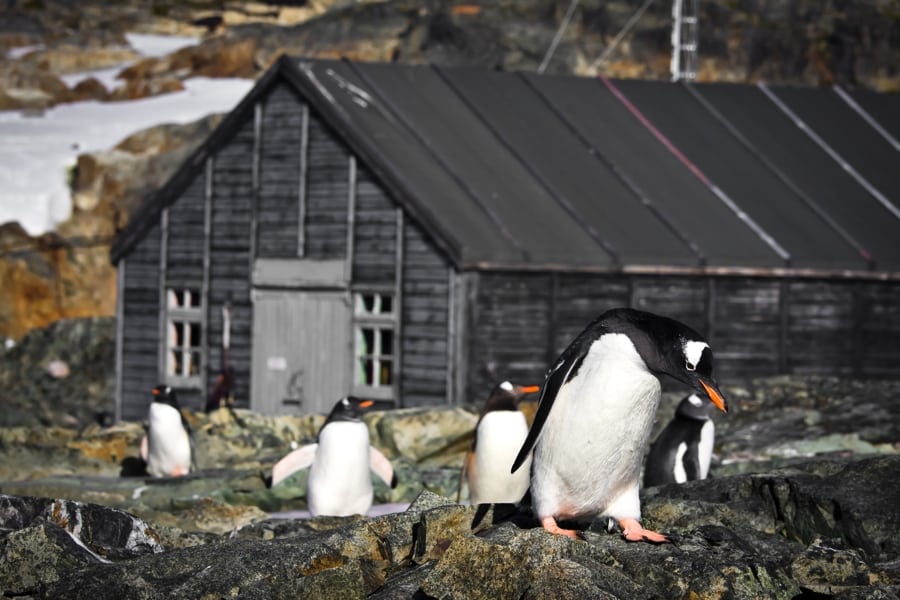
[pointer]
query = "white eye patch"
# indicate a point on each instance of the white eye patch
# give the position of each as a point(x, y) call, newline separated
point(693, 351)
point(506, 386)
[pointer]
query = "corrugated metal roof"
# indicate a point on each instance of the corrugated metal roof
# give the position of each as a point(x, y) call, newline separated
point(524, 171)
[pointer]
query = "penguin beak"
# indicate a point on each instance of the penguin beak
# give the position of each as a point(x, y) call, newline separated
point(715, 396)
point(529, 389)
point(366, 404)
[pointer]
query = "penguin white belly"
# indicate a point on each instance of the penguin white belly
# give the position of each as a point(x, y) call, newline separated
point(168, 442)
point(705, 447)
point(339, 481)
point(588, 458)
point(499, 437)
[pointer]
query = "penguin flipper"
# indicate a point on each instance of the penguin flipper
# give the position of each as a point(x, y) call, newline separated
point(555, 380)
point(145, 448)
point(464, 472)
point(382, 467)
point(294, 461)
point(691, 461)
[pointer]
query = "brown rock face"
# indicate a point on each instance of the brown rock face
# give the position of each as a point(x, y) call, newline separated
point(67, 274)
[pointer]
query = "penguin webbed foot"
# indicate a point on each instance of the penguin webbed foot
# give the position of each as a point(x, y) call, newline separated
point(632, 531)
point(551, 526)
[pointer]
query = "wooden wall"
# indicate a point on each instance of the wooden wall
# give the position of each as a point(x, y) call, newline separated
point(425, 328)
point(232, 199)
point(140, 327)
point(757, 326)
point(280, 188)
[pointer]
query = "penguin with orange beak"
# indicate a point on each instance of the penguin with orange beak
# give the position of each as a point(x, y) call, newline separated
point(595, 414)
point(499, 434)
point(339, 483)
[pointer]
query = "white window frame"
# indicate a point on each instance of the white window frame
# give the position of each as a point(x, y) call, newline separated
point(372, 384)
point(184, 310)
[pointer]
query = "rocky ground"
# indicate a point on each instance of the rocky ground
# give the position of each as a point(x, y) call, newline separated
point(803, 502)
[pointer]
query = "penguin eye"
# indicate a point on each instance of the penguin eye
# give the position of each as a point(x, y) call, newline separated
point(690, 366)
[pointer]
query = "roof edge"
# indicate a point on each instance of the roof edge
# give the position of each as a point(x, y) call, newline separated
point(699, 270)
point(153, 202)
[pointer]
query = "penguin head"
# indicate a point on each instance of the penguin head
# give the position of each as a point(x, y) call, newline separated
point(694, 407)
point(670, 347)
point(506, 396)
point(349, 408)
point(165, 395)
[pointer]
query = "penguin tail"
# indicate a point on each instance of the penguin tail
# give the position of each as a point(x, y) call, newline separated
point(480, 512)
point(501, 512)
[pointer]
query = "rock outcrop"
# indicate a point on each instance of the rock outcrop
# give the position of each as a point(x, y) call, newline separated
point(825, 530)
point(803, 502)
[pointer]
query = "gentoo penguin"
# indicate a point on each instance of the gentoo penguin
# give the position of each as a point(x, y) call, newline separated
point(683, 450)
point(339, 483)
point(595, 412)
point(499, 434)
point(166, 447)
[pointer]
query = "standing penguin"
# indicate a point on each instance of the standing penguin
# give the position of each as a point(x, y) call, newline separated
point(166, 447)
point(339, 483)
point(683, 450)
point(499, 434)
point(595, 413)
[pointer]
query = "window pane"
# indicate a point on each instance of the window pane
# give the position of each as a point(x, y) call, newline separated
point(365, 375)
point(387, 305)
point(385, 376)
point(368, 301)
point(194, 339)
point(195, 363)
point(175, 362)
point(368, 336)
point(387, 342)
point(195, 298)
point(178, 329)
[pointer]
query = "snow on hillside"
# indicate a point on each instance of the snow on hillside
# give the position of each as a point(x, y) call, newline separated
point(36, 152)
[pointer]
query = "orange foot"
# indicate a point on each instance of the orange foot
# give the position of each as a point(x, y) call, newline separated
point(178, 472)
point(633, 532)
point(549, 523)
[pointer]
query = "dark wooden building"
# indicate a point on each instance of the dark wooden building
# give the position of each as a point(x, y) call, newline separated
point(414, 233)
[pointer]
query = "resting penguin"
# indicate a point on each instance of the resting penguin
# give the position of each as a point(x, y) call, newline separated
point(166, 447)
point(595, 412)
point(499, 434)
point(339, 483)
point(683, 450)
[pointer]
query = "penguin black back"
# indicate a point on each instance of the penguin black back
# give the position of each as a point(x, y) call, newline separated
point(683, 450)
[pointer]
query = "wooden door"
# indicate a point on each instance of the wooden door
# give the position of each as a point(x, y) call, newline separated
point(302, 348)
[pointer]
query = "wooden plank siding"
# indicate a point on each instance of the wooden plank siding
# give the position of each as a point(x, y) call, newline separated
point(746, 324)
point(229, 276)
point(425, 310)
point(374, 234)
point(140, 327)
point(508, 337)
point(281, 149)
point(820, 331)
point(327, 193)
point(879, 305)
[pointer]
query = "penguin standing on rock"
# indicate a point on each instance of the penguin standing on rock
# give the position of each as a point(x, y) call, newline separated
point(683, 450)
point(339, 483)
point(166, 447)
point(499, 434)
point(595, 413)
